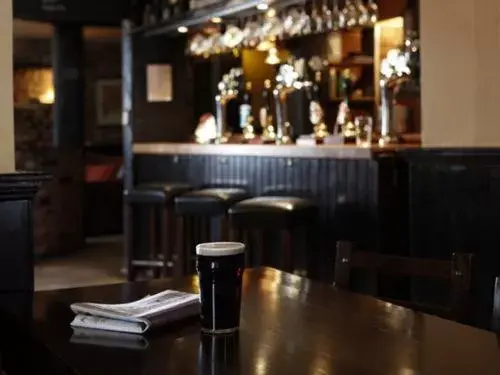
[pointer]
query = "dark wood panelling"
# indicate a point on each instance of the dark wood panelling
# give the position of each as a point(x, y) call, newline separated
point(346, 190)
point(455, 207)
point(163, 121)
point(17, 191)
point(91, 12)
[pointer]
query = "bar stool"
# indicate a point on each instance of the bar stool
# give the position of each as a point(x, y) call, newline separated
point(157, 198)
point(288, 215)
point(198, 208)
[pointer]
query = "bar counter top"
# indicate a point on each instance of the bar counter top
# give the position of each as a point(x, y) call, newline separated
point(320, 151)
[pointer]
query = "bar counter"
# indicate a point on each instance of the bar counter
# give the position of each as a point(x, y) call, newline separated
point(361, 192)
point(320, 151)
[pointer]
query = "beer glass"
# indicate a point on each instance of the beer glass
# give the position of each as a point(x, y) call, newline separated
point(364, 130)
point(220, 268)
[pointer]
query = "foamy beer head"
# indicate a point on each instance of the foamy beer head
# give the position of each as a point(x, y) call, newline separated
point(220, 249)
point(220, 268)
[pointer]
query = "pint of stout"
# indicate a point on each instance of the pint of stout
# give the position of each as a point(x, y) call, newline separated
point(220, 268)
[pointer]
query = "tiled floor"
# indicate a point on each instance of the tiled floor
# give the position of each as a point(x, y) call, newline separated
point(99, 263)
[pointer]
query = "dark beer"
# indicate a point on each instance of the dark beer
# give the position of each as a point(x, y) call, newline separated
point(220, 268)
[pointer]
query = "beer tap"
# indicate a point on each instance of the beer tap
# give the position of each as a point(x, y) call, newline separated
point(228, 90)
point(316, 112)
point(287, 82)
point(398, 77)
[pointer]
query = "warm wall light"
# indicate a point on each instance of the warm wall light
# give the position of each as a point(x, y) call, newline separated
point(263, 6)
point(47, 97)
point(182, 29)
point(272, 57)
point(271, 13)
point(216, 20)
point(33, 85)
point(265, 45)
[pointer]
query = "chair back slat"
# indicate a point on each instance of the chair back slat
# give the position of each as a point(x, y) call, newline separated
point(461, 271)
point(457, 271)
point(496, 307)
point(396, 265)
point(343, 264)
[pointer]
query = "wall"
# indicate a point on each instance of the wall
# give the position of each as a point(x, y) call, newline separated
point(6, 97)
point(58, 215)
point(460, 76)
point(166, 121)
point(102, 61)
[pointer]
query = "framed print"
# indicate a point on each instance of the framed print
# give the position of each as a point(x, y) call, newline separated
point(109, 102)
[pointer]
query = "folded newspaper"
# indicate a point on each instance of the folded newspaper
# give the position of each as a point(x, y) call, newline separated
point(139, 316)
point(110, 339)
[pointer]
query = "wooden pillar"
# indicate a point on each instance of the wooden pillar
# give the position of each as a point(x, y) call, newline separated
point(128, 140)
point(460, 78)
point(7, 160)
point(69, 111)
point(69, 86)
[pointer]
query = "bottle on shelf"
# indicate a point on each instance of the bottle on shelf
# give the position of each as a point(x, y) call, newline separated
point(316, 91)
point(174, 9)
point(166, 10)
point(149, 17)
point(316, 112)
point(265, 114)
point(246, 105)
point(155, 12)
point(332, 84)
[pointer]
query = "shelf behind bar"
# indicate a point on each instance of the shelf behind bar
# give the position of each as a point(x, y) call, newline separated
point(201, 16)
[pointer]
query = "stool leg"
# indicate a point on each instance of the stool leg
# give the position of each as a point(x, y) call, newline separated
point(153, 233)
point(288, 250)
point(166, 241)
point(224, 228)
point(248, 248)
point(234, 235)
point(258, 249)
point(190, 235)
point(207, 229)
point(178, 257)
point(129, 241)
point(310, 252)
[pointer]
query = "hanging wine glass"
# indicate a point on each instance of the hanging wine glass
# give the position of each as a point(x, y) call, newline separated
point(272, 27)
point(316, 19)
point(305, 23)
point(291, 23)
point(214, 44)
point(338, 17)
point(363, 17)
point(196, 45)
point(351, 14)
point(327, 15)
point(372, 9)
point(251, 33)
point(233, 37)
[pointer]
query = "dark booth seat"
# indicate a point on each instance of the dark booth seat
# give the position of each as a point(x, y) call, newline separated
point(208, 202)
point(272, 211)
point(155, 193)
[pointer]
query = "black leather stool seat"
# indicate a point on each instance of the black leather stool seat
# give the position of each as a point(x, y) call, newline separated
point(208, 202)
point(276, 212)
point(155, 193)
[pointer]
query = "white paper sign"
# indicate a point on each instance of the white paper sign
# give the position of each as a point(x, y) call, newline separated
point(159, 81)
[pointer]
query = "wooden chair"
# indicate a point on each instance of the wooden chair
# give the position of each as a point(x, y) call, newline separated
point(496, 310)
point(457, 271)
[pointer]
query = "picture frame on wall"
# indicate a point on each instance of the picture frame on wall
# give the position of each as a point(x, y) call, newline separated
point(109, 102)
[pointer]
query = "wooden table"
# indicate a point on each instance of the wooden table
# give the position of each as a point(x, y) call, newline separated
point(290, 325)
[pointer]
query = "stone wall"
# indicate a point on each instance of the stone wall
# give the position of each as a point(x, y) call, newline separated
point(58, 208)
point(33, 135)
point(102, 61)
